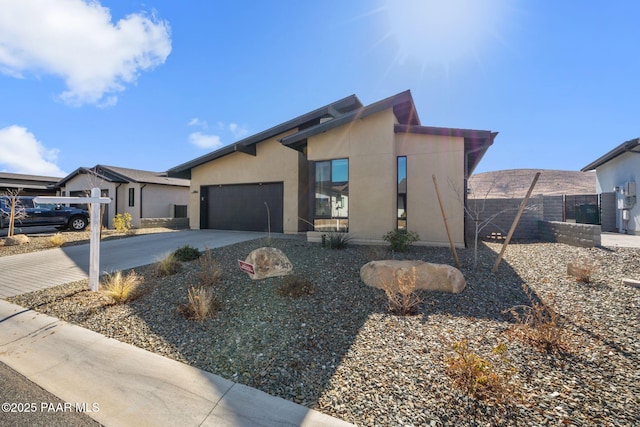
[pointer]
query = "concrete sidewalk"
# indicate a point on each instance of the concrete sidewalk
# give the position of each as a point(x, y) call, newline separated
point(118, 384)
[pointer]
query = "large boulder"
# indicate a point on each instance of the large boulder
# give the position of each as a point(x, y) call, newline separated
point(269, 262)
point(432, 277)
point(16, 240)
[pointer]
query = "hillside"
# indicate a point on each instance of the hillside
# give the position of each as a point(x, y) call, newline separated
point(516, 182)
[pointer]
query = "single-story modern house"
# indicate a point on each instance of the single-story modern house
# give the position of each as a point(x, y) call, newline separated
point(365, 170)
point(142, 194)
point(618, 171)
point(29, 185)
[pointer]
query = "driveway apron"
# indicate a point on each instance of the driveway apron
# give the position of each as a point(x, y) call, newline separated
point(39, 270)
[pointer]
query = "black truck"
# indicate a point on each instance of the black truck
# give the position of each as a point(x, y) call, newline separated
point(32, 214)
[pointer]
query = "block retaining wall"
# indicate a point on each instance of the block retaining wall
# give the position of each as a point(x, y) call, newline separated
point(585, 235)
point(175, 223)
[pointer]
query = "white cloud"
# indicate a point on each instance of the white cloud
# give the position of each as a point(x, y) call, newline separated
point(202, 140)
point(21, 152)
point(197, 122)
point(76, 41)
point(238, 131)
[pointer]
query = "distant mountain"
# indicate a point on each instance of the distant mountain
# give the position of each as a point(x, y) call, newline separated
point(515, 183)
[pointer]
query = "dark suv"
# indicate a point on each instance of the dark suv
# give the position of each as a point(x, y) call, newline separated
point(32, 214)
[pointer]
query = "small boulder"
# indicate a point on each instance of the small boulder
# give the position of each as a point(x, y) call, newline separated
point(428, 276)
point(269, 262)
point(16, 240)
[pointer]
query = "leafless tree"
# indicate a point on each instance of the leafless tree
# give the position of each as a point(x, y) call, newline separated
point(16, 210)
point(475, 210)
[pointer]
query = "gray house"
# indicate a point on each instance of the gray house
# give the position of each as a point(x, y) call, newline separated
point(144, 195)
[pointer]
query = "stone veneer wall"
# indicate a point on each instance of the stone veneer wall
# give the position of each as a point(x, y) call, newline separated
point(175, 223)
point(585, 235)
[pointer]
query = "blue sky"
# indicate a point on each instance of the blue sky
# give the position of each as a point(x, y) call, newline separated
point(153, 85)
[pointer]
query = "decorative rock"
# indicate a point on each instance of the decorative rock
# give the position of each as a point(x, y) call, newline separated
point(16, 240)
point(269, 262)
point(428, 276)
point(631, 282)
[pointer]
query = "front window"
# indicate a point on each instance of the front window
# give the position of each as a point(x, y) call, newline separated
point(402, 193)
point(331, 202)
point(132, 199)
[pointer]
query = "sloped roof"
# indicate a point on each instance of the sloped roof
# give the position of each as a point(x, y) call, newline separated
point(125, 175)
point(625, 147)
point(476, 142)
point(403, 108)
point(247, 145)
point(18, 180)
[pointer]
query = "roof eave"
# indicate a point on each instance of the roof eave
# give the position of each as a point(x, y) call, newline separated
point(625, 147)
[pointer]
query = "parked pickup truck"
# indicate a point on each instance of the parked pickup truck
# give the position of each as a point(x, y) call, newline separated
point(32, 214)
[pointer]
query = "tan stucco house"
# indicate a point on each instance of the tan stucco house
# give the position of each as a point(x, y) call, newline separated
point(142, 194)
point(347, 167)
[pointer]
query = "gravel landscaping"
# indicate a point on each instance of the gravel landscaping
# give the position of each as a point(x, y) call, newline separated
point(340, 351)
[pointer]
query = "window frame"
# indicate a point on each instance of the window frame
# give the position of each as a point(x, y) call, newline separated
point(342, 219)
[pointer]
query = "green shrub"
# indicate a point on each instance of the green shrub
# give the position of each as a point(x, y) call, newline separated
point(336, 240)
point(295, 286)
point(122, 222)
point(186, 253)
point(400, 240)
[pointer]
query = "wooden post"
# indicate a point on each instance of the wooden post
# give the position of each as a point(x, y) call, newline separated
point(94, 243)
point(515, 222)
point(446, 225)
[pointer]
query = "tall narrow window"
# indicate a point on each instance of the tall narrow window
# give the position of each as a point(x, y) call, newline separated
point(402, 193)
point(131, 197)
point(331, 201)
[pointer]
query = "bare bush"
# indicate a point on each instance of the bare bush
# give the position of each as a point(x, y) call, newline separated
point(209, 271)
point(401, 293)
point(582, 269)
point(295, 286)
point(540, 325)
point(477, 376)
point(201, 303)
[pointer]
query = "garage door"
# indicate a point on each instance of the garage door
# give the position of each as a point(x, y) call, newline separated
point(242, 207)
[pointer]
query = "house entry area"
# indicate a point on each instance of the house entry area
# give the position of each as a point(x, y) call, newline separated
point(242, 207)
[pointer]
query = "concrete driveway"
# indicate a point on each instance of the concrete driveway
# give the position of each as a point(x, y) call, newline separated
point(39, 270)
point(619, 240)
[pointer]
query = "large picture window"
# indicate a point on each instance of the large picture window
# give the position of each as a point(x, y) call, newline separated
point(402, 193)
point(331, 201)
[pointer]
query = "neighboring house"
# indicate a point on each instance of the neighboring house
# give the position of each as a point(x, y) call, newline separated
point(364, 170)
point(30, 185)
point(142, 194)
point(618, 171)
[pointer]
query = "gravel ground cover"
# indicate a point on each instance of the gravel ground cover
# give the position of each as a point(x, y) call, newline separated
point(340, 351)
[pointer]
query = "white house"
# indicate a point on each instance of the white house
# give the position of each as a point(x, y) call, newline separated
point(619, 171)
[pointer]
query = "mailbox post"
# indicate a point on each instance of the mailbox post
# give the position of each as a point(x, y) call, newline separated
point(94, 242)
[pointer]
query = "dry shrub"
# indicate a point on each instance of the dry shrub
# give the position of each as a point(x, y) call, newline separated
point(168, 265)
point(209, 271)
point(401, 293)
point(202, 303)
point(56, 240)
point(123, 288)
point(582, 269)
point(478, 377)
point(540, 325)
point(295, 286)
